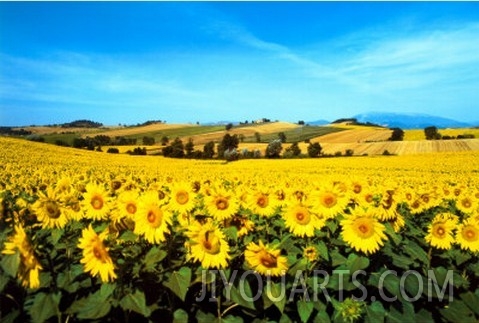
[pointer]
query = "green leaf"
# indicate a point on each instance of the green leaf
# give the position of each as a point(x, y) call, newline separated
point(402, 261)
point(231, 233)
point(243, 296)
point(304, 309)
point(203, 317)
point(355, 263)
point(375, 312)
point(11, 317)
point(154, 256)
point(179, 282)
point(337, 258)
point(416, 252)
point(129, 236)
point(44, 306)
point(323, 250)
point(457, 311)
point(230, 319)
point(180, 316)
point(135, 302)
point(10, 264)
point(95, 305)
point(471, 300)
point(274, 293)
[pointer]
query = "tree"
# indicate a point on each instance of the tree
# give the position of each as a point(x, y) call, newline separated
point(189, 148)
point(314, 149)
point(148, 141)
point(209, 150)
point(301, 122)
point(227, 143)
point(257, 136)
point(431, 133)
point(241, 137)
point(229, 126)
point(282, 137)
point(293, 150)
point(175, 149)
point(274, 149)
point(164, 140)
point(397, 134)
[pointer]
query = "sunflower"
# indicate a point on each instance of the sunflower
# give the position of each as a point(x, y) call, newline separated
point(95, 202)
point(64, 185)
point(328, 201)
point(310, 253)
point(467, 235)
point(96, 259)
point(242, 224)
point(362, 231)
point(126, 205)
point(221, 204)
point(182, 197)
point(440, 231)
point(301, 221)
point(260, 202)
point(466, 203)
point(265, 260)
point(208, 245)
point(350, 309)
point(152, 218)
point(49, 210)
point(29, 268)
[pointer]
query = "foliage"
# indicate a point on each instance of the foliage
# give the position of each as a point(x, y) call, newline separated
point(328, 278)
point(431, 133)
point(293, 150)
point(228, 143)
point(397, 134)
point(314, 149)
point(274, 149)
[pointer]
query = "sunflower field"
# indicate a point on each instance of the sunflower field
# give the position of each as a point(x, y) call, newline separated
point(100, 237)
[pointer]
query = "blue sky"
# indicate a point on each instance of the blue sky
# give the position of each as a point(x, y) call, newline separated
point(128, 62)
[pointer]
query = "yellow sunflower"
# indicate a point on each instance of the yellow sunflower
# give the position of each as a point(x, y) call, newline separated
point(96, 203)
point(126, 205)
point(310, 253)
point(466, 203)
point(260, 202)
point(467, 235)
point(440, 231)
point(208, 245)
point(362, 231)
point(265, 260)
point(49, 210)
point(242, 224)
point(95, 258)
point(183, 198)
point(152, 218)
point(301, 221)
point(29, 268)
point(221, 204)
point(329, 200)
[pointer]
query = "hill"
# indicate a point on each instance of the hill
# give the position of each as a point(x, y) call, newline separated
point(409, 121)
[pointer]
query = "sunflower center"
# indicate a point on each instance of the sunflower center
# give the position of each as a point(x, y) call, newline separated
point(439, 231)
point(364, 228)
point(131, 208)
point(268, 260)
point(52, 209)
point(302, 216)
point(182, 197)
point(262, 201)
point(154, 217)
point(99, 252)
point(425, 198)
point(211, 243)
point(222, 203)
point(357, 188)
point(369, 198)
point(470, 234)
point(329, 200)
point(97, 202)
point(466, 203)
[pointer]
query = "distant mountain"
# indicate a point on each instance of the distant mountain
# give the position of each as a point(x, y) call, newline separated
point(318, 122)
point(410, 121)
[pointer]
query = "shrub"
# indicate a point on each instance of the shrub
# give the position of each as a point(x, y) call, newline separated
point(113, 150)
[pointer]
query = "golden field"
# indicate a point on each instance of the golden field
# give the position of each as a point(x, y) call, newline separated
point(87, 235)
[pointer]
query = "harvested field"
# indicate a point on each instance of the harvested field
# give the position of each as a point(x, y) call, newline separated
point(356, 135)
point(131, 131)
